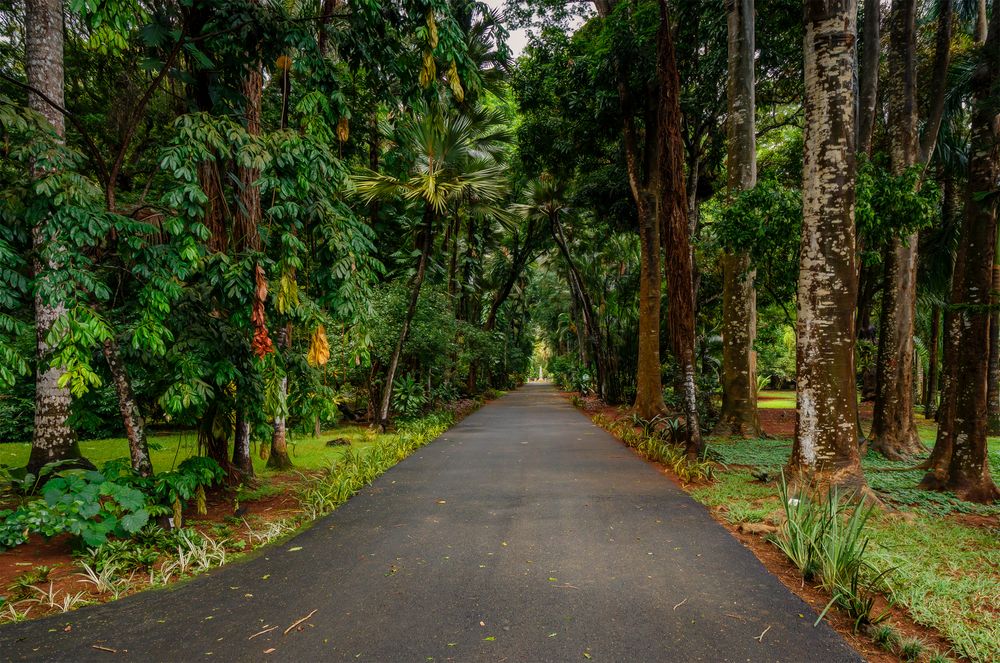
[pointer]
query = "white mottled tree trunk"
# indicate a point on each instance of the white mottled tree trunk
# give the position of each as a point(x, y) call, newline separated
point(53, 438)
point(825, 448)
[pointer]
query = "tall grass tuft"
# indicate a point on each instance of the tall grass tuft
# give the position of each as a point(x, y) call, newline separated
point(825, 538)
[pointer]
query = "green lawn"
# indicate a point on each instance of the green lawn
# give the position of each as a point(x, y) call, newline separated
point(944, 570)
point(169, 449)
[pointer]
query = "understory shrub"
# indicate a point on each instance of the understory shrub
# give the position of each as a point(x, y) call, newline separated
point(408, 398)
point(115, 502)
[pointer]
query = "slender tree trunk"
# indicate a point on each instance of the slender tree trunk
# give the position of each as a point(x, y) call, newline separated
point(967, 471)
point(135, 429)
point(739, 298)
point(825, 450)
point(931, 394)
point(453, 262)
point(246, 226)
point(674, 219)
point(982, 21)
point(426, 241)
point(278, 458)
point(871, 49)
point(519, 260)
point(649, 387)
point(53, 439)
point(894, 430)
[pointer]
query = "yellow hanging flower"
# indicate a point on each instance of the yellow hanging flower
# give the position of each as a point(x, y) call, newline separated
point(319, 348)
point(432, 29)
point(455, 82)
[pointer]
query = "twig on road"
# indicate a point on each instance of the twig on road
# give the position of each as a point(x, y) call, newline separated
point(760, 638)
point(300, 621)
point(267, 630)
point(681, 603)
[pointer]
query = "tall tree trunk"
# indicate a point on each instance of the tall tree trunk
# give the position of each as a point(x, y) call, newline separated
point(825, 450)
point(53, 439)
point(641, 177)
point(894, 430)
point(871, 49)
point(674, 220)
point(993, 370)
point(246, 236)
point(967, 471)
point(278, 458)
point(739, 299)
point(648, 383)
point(931, 393)
point(426, 241)
point(135, 429)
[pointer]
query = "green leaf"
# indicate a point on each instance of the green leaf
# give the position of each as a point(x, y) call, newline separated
point(134, 522)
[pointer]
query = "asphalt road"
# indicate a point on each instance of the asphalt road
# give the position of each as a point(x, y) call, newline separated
point(523, 534)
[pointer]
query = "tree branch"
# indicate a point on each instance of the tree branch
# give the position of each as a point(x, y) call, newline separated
point(95, 153)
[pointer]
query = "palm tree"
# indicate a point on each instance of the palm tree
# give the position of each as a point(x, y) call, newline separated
point(454, 160)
